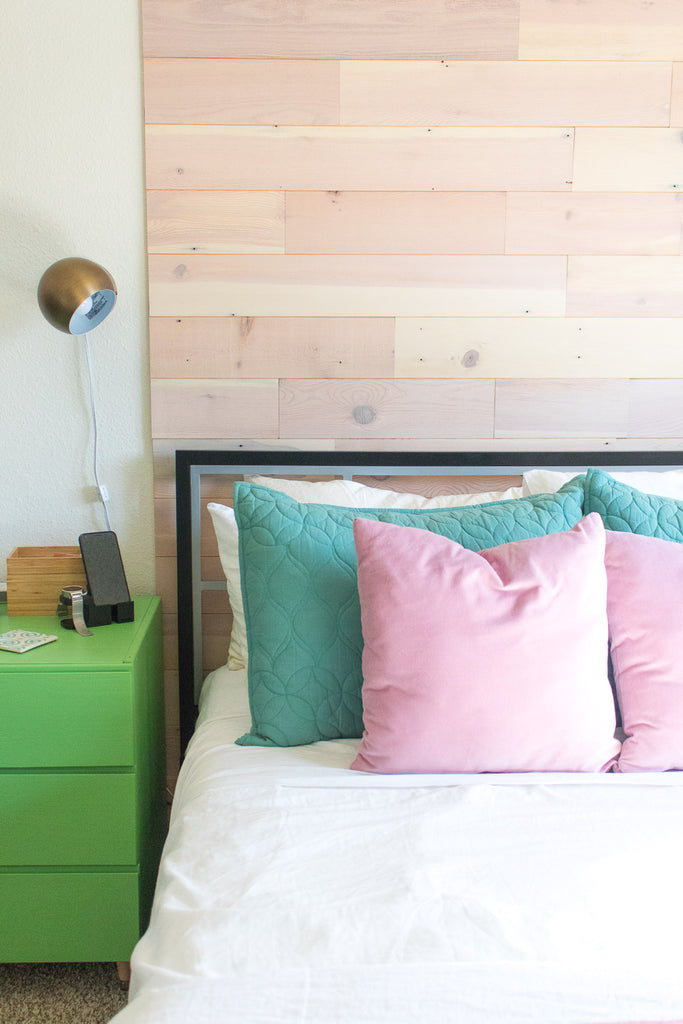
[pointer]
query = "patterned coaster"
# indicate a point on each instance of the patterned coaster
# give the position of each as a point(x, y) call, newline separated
point(22, 640)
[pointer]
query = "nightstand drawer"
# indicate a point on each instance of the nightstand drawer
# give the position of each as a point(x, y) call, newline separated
point(68, 916)
point(67, 819)
point(71, 719)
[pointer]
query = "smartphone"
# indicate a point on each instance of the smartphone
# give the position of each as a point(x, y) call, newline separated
point(104, 567)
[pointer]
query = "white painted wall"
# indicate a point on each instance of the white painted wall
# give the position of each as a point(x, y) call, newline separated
point(72, 183)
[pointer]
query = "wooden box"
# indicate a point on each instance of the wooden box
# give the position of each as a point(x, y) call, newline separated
point(35, 577)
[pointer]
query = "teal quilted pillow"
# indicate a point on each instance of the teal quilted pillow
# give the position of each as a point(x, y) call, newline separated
point(302, 611)
point(631, 511)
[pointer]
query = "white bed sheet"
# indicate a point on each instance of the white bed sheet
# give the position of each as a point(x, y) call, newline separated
point(293, 889)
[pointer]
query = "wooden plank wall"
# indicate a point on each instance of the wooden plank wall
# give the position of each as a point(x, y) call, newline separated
point(420, 223)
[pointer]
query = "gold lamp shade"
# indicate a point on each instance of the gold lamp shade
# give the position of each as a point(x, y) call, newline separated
point(76, 295)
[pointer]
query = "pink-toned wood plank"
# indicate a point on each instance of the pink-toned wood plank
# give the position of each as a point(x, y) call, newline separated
point(557, 408)
point(383, 159)
point(625, 286)
point(386, 408)
point(165, 448)
point(165, 526)
point(216, 626)
point(163, 468)
point(170, 623)
point(357, 286)
point(656, 408)
point(592, 222)
point(172, 728)
point(613, 443)
point(271, 346)
point(628, 159)
point(620, 30)
point(677, 95)
point(395, 222)
point(505, 93)
point(170, 648)
point(216, 604)
point(214, 408)
point(332, 28)
point(209, 221)
point(189, 91)
point(211, 568)
point(166, 582)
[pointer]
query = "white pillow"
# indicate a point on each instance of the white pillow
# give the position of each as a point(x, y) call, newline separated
point(667, 483)
point(346, 493)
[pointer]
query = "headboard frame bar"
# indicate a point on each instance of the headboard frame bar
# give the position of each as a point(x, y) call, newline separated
point(192, 465)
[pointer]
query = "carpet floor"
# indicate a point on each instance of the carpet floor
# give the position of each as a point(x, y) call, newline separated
point(59, 993)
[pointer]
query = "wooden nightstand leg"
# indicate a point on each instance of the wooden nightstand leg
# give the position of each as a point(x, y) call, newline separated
point(123, 970)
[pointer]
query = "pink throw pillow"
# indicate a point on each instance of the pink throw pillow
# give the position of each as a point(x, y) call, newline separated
point(644, 594)
point(489, 661)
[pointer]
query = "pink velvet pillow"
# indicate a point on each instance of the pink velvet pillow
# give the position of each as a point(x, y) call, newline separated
point(489, 661)
point(644, 595)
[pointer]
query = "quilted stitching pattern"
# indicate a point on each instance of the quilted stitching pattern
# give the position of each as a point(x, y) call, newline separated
point(298, 569)
point(628, 510)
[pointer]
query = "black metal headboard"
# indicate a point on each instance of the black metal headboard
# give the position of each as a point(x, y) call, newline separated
point(192, 465)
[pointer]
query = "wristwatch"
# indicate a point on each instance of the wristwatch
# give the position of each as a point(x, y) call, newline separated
point(71, 607)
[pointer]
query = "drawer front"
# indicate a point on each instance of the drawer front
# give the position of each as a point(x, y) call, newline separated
point(68, 718)
point(68, 916)
point(67, 819)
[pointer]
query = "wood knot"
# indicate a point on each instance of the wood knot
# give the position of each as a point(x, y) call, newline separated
point(364, 414)
point(471, 358)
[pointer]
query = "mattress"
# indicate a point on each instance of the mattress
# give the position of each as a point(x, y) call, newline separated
point(294, 889)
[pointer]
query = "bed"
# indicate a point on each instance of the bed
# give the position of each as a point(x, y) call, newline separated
point(419, 789)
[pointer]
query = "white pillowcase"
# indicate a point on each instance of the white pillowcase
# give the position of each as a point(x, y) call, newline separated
point(667, 483)
point(346, 493)
point(350, 494)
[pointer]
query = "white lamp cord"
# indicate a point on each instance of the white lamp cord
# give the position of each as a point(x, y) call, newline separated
point(101, 490)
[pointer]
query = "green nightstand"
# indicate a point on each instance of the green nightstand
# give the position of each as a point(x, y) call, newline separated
point(82, 788)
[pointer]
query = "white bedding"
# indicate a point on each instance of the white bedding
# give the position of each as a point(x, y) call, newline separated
point(295, 890)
